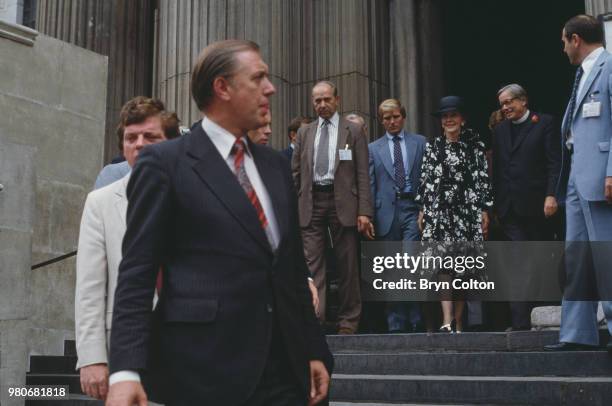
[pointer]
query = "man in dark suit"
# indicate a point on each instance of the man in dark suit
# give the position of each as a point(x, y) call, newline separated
point(235, 320)
point(292, 131)
point(526, 164)
point(330, 171)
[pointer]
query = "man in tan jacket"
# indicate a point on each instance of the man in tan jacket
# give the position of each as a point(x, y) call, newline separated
point(143, 121)
point(330, 171)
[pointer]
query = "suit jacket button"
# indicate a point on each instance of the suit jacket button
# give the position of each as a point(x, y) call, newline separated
point(269, 308)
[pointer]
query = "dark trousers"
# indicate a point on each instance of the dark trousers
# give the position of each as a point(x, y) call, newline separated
point(277, 385)
point(344, 240)
point(521, 228)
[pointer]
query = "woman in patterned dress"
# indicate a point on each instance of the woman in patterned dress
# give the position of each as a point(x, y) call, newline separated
point(455, 191)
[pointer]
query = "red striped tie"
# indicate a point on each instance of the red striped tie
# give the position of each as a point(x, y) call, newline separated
point(243, 179)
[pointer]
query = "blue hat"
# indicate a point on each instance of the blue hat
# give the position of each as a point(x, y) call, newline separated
point(450, 103)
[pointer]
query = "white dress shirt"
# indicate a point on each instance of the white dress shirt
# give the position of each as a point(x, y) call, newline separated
point(587, 66)
point(332, 133)
point(223, 140)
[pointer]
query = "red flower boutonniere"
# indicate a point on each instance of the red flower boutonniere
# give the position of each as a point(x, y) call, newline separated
point(535, 118)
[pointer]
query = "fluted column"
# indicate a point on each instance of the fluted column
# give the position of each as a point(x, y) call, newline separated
point(416, 60)
point(596, 7)
point(302, 41)
point(119, 29)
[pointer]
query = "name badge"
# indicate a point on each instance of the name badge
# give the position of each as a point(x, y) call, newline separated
point(346, 154)
point(592, 109)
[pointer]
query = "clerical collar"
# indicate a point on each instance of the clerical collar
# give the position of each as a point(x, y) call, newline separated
point(522, 119)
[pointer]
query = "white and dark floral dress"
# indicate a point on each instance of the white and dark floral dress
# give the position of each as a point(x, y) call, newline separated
point(455, 188)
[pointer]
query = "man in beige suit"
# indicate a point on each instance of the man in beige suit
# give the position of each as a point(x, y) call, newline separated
point(330, 171)
point(143, 121)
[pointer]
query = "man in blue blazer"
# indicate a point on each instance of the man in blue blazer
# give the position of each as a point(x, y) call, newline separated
point(395, 173)
point(587, 172)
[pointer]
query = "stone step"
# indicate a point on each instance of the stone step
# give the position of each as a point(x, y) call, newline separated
point(73, 400)
point(47, 364)
point(394, 404)
point(584, 363)
point(72, 380)
point(437, 342)
point(537, 391)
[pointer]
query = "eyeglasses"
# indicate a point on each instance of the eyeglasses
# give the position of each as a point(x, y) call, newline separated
point(507, 102)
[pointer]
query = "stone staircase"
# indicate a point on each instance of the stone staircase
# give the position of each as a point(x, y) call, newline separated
point(421, 369)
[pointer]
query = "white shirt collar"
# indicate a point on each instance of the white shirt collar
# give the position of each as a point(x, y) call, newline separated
point(589, 61)
point(522, 119)
point(221, 138)
point(334, 120)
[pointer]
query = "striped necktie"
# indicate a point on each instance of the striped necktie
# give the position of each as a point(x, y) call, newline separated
point(240, 171)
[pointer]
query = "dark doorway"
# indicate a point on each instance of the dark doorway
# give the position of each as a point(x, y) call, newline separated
point(488, 44)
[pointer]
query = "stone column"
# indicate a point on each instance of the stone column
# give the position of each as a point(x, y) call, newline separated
point(302, 41)
point(416, 61)
point(119, 29)
point(596, 7)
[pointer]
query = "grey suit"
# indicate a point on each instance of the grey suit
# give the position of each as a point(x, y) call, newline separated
point(588, 216)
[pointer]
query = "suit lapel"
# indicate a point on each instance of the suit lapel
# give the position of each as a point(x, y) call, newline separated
point(504, 133)
point(311, 134)
point(524, 133)
point(410, 151)
point(385, 155)
point(590, 79)
point(343, 133)
point(212, 169)
point(121, 201)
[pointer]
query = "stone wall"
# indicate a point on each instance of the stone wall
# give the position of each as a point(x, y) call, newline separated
point(119, 29)
point(53, 103)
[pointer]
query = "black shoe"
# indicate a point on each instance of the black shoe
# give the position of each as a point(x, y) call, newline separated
point(570, 347)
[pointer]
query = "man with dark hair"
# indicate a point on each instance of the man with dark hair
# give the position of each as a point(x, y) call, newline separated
point(330, 171)
point(526, 164)
point(292, 131)
point(587, 186)
point(235, 323)
point(143, 121)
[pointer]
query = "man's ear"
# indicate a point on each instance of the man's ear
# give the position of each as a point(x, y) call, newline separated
point(221, 88)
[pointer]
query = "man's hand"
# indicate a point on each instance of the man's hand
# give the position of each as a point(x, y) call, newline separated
point(608, 189)
point(315, 296)
point(420, 221)
point(485, 225)
point(94, 380)
point(550, 206)
point(126, 393)
point(363, 226)
point(319, 382)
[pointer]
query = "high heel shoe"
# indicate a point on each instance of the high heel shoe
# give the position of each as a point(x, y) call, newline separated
point(446, 328)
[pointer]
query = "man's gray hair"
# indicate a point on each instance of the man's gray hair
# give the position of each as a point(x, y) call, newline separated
point(516, 91)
